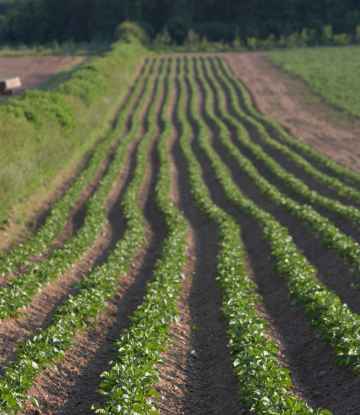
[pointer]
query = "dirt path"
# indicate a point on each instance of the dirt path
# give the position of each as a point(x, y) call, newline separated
point(288, 101)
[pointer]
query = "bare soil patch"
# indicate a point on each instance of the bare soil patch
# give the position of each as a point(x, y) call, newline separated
point(34, 71)
point(287, 100)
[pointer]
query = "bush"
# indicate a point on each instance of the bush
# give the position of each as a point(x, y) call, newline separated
point(127, 28)
point(342, 39)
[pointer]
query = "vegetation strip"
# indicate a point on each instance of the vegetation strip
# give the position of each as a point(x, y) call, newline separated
point(335, 168)
point(334, 321)
point(23, 288)
point(95, 289)
point(297, 185)
point(263, 382)
point(333, 238)
point(20, 255)
point(127, 384)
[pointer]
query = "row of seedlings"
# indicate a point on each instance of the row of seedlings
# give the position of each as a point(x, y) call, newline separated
point(45, 348)
point(127, 385)
point(297, 185)
point(335, 168)
point(333, 238)
point(333, 320)
point(20, 255)
point(21, 289)
point(264, 383)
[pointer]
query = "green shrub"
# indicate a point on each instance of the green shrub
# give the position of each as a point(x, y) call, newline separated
point(127, 28)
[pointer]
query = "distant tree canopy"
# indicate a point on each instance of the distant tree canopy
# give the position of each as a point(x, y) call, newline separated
point(41, 21)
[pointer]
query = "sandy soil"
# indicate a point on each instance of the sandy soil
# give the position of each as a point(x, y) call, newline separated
point(288, 101)
point(34, 71)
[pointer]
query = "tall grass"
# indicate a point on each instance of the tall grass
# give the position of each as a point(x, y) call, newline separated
point(44, 132)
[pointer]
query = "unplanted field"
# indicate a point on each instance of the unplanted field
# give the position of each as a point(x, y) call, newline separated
point(177, 273)
point(35, 72)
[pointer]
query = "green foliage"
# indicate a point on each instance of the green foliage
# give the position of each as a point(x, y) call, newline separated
point(263, 382)
point(97, 286)
point(127, 386)
point(42, 131)
point(20, 291)
point(192, 40)
point(327, 34)
point(333, 238)
point(127, 28)
point(338, 76)
point(42, 21)
point(342, 39)
point(330, 72)
point(334, 321)
point(34, 105)
point(20, 256)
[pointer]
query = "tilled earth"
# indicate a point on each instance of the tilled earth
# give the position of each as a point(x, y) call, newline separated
point(197, 376)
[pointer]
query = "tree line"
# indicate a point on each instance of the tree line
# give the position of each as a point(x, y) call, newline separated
point(41, 21)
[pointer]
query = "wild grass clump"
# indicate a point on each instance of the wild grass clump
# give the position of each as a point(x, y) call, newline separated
point(43, 133)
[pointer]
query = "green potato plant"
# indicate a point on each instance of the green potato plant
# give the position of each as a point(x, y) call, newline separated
point(127, 385)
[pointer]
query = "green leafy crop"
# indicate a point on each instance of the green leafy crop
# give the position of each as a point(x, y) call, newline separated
point(127, 388)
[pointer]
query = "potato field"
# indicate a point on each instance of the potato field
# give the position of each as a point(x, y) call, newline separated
point(204, 261)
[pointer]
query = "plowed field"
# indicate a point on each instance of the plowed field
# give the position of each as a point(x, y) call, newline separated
point(205, 261)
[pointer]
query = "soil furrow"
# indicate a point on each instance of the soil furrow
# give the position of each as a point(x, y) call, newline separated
point(332, 270)
point(207, 375)
point(41, 309)
point(77, 214)
point(271, 131)
point(345, 226)
point(173, 373)
point(72, 389)
point(309, 359)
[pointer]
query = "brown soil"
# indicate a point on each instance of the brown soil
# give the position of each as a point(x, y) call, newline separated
point(72, 389)
point(310, 360)
point(288, 101)
point(210, 387)
point(197, 375)
point(34, 72)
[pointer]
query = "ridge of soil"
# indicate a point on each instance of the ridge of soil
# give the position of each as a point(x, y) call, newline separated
point(210, 386)
point(309, 359)
point(72, 389)
point(329, 265)
point(42, 308)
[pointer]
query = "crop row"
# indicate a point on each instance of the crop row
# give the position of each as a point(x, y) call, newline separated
point(297, 185)
point(20, 255)
point(128, 383)
point(333, 238)
point(20, 290)
point(263, 382)
point(335, 168)
point(43, 349)
point(334, 321)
